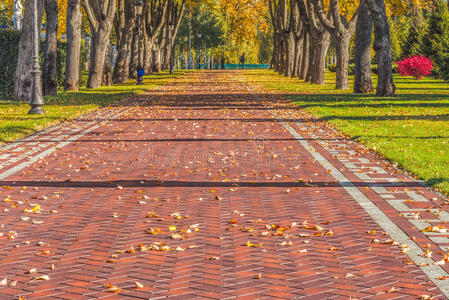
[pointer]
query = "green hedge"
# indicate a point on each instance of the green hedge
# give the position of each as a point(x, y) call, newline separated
point(9, 49)
point(333, 68)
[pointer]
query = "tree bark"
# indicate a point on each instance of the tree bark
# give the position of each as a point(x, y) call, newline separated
point(156, 59)
point(382, 44)
point(49, 72)
point(362, 77)
point(73, 56)
point(311, 63)
point(107, 72)
point(299, 43)
point(289, 53)
point(342, 50)
point(100, 42)
point(23, 79)
point(317, 69)
point(134, 54)
point(305, 57)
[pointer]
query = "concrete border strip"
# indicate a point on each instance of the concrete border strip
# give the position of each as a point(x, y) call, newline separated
point(45, 153)
point(431, 270)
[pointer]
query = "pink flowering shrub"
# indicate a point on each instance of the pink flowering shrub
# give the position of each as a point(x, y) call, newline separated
point(416, 66)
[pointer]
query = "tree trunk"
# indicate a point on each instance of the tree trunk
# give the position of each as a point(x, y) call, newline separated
point(101, 16)
point(156, 59)
point(23, 79)
point(124, 27)
point(305, 57)
point(342, 50)
point(49, 72)
point(290, 54)
point(311, 63)
point(72, 67)
point(107, 72)
point(100, 43)
point(362, 77)
point(133, 55)
point(147, 54)
point(274, 59)
point(166, 50)
point(298, 55)
point(319, 64)
point(382, 43)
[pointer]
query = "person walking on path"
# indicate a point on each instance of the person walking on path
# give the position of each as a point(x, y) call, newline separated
point(242, 61)
point(223, 63)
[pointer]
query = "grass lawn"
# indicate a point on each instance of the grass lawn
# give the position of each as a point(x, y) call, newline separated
point(16, 123)
point(411, 129)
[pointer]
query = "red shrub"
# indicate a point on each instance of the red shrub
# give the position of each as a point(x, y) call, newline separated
point(416, 66)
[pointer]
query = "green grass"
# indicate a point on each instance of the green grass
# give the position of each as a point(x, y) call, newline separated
point(16, 123)
point(411, 129)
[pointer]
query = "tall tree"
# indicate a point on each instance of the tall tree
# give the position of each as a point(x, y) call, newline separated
point(175, 13)
point(436, 39)
point(342, 31)
point(23, 79)
point(319, 39)
point(362, 76)
point(101, 15)
point(124, 25)
point(155, 14)
point(382, 42)
point(73, 56)
point(49, 74)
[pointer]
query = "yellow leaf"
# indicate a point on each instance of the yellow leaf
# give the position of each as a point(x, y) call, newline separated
point(112, 288)
point(153, 230)
point(249, 244)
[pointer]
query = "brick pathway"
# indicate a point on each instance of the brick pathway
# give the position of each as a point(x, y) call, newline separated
point(210, 187)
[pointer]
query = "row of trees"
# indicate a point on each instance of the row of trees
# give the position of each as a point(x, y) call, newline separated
point(304, 30)
point(108, 18)
point(234, 25)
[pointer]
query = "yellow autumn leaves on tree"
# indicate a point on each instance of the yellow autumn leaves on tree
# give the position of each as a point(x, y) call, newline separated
point(394, 7)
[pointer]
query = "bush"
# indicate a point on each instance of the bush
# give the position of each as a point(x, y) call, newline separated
point(333, 68)
point(417, 66)
point(9, 48)
point(351, 70)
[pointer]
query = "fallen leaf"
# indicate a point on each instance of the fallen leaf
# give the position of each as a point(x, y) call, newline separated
point(249, 244)
point(393, 290)
point(153, 230)
point(112, 288)
point(31, 271)
point(43, 277)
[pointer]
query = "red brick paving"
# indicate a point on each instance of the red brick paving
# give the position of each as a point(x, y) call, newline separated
point(206, 149)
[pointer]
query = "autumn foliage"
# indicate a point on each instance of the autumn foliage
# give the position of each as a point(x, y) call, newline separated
point(416, 66)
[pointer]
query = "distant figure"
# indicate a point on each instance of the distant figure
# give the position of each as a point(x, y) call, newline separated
point(17, 16)
point(242, 61)
point(223, 63)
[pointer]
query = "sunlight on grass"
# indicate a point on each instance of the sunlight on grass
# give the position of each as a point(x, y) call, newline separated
point(411, 129)
point(16, 123)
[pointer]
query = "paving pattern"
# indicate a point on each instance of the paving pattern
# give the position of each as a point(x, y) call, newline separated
point(211, 187)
